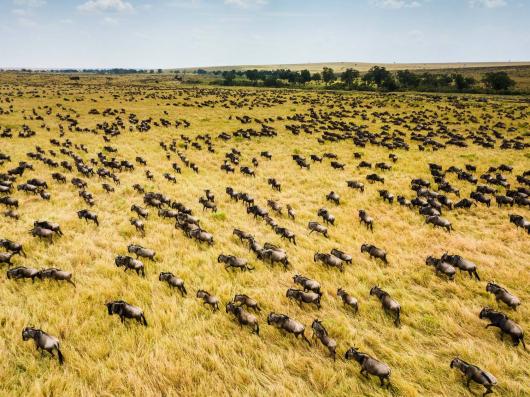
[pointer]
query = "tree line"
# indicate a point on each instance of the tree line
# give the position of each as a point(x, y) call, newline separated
point(377, 78)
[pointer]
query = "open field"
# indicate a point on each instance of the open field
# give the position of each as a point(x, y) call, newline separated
point(365, 66)
point(187, 349)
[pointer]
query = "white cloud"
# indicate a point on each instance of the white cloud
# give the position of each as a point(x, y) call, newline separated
point(487, 3)
point(106, 5)
point(29, 3)
point(246, 3)
point(396, 4)
point(20, 12)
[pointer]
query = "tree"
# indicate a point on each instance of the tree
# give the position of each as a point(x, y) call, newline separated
point(498, 81)
point(229, 76)
point(328, 75)
point(408, 79)
point(316, 76)
point(376, 75)
point(462, 82)
point(252, 75)
point(159, 71)
point(348, 76)
point(305, 76)
point(201, 71)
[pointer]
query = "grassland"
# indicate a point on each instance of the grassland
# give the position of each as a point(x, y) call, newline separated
point(365, 66)
point(187, 349)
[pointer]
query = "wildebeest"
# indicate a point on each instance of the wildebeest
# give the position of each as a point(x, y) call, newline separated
point(140, 251)
point(317, 227)
point(320, 332)
point(9, 202)
point(43, 341)
point(465, 203)
point(333, 197)
point(355, 185)
point(286, 323)
point(441, 267)
point(201, 235)
point(54, 227)
point(369, 365)
point(290, 212)
point(12, 246)
point(56, 274)
point(343, 256)
point(366, 219)
point(304, 297)
point(242, 235)
point(374, 252)
point(307, 284)
point(22, 272)
point(88, 216)
point(505, 324)
point(273, 254)
point(347, 299)
point(475, 374)
point(233, 261)
point(440, 222)
point(243, 317)
point(125, 310)
point(462, 264)
point(503, 295)
point(520, 221)
point(389, 304)
point(130, 263)
point(245, 300)
point(142, 212)
point(285, 233)
point(481, 198)
point(329, 260)
point(326, 216)
point(208, 299)
point(138, 224)
point(173, 281)
point(5, 257)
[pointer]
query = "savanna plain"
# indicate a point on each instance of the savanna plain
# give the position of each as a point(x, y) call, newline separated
point(187, 349)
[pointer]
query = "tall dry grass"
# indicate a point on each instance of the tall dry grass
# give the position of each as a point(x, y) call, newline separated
point(187, 349)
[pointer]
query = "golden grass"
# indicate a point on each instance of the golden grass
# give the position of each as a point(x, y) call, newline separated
point(187, 349)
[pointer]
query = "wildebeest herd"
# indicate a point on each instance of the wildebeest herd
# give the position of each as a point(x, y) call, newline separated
point(342, 220)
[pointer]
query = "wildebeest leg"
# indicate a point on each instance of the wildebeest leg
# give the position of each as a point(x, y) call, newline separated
point(71, 282)
point(363, 372)
point(144, 320)
point(476, 275)
point(488, 390)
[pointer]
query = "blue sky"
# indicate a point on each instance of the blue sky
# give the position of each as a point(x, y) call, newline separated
point(180, 33)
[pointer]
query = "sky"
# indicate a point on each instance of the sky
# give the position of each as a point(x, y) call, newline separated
point(187, 33)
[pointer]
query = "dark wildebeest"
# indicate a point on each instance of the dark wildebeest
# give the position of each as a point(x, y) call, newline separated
point(347, 299)
point(174, 282)
point(208, 299)
point(88, 216)
point(243, 317)
point(389, 304)
point(22, 272)
point(369, 365)
point(320, 332)
point(125, 310)
point(502, 294)
point(287, 324)
point(374, 252)
point(304, 297)
point(56, 274)
point(505, 324)
point(43, 341)
point(475, 374)
point(462, 264)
